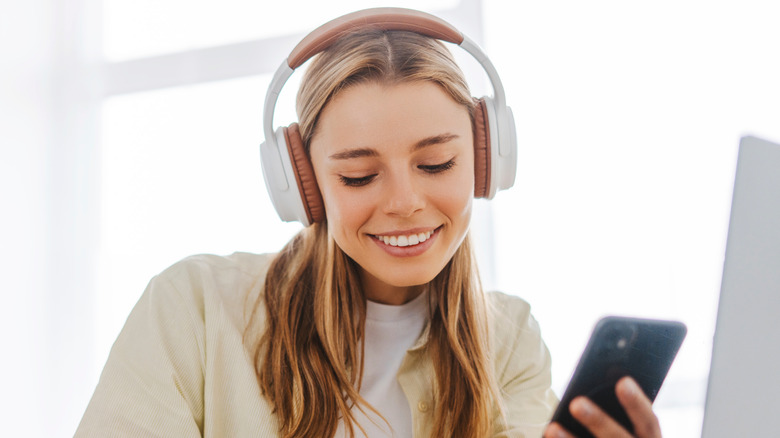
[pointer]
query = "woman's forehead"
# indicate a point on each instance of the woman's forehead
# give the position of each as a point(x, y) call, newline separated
point(370, 114)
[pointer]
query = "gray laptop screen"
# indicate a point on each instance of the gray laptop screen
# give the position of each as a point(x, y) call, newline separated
point(743, 395)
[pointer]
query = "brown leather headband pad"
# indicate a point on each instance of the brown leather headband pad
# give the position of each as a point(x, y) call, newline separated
point(381, 18)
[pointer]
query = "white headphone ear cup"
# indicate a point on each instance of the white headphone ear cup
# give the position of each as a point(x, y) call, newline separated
point(279, 177)
point(503, 147)
point(507, 152)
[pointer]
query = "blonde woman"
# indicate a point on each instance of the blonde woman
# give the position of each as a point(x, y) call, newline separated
point(372, 320)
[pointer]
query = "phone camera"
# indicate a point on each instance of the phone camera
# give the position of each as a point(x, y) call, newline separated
point(618, 341)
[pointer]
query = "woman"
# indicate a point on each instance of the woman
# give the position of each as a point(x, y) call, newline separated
point(370, 322)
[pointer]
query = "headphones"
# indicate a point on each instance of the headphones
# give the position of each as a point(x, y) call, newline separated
point(287, 170)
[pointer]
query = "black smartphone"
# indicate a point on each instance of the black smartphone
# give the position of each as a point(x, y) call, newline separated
point(619, 346)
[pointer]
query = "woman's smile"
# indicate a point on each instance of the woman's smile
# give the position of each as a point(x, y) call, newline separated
point(405, 239)
point(406, 244)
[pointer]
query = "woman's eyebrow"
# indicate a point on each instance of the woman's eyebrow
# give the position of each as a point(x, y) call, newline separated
point(368, 152)
point(436, 139)
point(354, 153)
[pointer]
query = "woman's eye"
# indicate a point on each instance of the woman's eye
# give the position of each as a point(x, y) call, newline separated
point(438, 168)
point(356, 182)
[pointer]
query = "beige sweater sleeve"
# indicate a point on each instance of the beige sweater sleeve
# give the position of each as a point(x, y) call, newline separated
point(523, 369)
point(152, 384)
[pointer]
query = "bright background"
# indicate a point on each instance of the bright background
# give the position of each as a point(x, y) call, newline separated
point(129, 134)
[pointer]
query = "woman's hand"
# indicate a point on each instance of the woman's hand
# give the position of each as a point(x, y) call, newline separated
point(637, 406)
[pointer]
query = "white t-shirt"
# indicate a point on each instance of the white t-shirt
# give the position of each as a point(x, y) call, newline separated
point(390, 332)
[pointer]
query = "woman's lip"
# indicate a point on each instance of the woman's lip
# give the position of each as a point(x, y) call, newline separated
point(407, 232)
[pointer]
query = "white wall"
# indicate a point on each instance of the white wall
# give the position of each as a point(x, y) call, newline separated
point(25, 132)
point(46, 188)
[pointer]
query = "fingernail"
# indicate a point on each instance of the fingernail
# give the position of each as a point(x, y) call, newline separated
point(581, 407)
point(554, 432)
point(630, 386)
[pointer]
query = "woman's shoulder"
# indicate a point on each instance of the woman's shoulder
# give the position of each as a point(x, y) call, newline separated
point(204, 273)
point(505, 308)
point(231, 267)
point(206, 281)
point(181, 349)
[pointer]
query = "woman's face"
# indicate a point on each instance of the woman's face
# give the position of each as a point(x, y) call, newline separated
point(395, 165)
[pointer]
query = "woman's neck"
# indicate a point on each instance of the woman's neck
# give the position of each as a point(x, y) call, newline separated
point(383, 293)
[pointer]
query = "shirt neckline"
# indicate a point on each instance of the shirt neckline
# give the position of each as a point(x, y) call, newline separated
point(417, 309)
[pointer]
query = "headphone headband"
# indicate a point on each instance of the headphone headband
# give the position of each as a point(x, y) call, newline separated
point(382, 18)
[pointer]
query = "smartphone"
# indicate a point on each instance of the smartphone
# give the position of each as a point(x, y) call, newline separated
point(619, 346)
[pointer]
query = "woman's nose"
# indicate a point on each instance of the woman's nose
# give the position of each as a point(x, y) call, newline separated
point(403, 194)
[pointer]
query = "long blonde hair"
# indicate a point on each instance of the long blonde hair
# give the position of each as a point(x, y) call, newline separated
point(309, 357)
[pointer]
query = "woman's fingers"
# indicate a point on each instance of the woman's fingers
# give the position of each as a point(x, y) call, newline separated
point(639, 408)
point(595, 420)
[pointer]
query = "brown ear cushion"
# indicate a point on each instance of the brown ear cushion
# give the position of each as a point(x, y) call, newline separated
point(304, 175)
point(481, 150)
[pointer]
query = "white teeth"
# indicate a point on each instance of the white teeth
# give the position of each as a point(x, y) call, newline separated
point(410, 240)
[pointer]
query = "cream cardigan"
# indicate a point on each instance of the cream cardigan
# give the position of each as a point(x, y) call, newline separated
point(179, 367)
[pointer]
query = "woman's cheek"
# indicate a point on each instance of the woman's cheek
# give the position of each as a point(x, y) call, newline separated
point(457, 192)
point(350, 203)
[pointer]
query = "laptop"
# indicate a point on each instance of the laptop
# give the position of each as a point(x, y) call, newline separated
point(743, 393)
